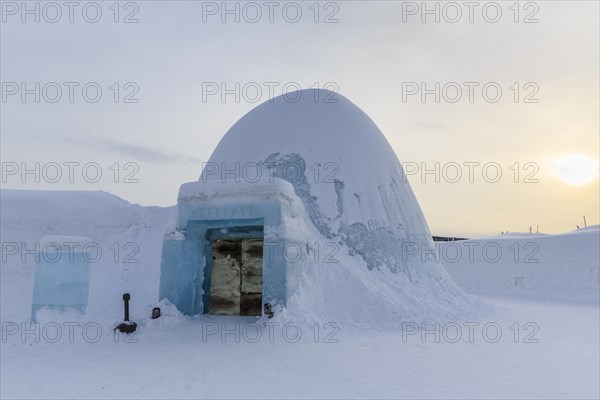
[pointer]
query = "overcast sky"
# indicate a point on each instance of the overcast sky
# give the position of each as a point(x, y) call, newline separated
point(165, 123)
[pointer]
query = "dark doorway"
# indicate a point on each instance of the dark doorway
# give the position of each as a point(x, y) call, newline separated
point(236, 278)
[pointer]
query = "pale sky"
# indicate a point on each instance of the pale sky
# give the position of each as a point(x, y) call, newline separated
point(370, 55)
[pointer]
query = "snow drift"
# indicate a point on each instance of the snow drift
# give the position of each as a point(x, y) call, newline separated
point(565, 266)
point(128, 237)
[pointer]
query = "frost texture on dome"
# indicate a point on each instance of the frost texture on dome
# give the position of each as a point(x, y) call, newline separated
point(356, 196)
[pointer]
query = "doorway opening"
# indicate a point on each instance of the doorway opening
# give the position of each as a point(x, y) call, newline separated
point(236, 282)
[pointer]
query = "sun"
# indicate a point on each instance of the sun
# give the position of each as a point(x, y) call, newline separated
point(577, 169)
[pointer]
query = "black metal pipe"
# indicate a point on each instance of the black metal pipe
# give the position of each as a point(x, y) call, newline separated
point(126, 298)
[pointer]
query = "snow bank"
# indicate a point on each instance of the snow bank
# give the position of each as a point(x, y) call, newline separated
point(564, 266)
point(124, 241)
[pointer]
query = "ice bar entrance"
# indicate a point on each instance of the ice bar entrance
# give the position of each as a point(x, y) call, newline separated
point(226, 255)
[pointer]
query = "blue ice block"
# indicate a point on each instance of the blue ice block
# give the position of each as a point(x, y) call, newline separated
point(61, 276)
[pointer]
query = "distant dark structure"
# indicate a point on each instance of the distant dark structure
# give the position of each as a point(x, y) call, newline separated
point(447, 239)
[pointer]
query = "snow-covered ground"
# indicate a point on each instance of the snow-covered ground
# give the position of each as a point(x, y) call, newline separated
point(539, 339)
point(547, 349)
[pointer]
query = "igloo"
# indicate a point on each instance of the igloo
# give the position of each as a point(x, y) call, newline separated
point(304, 205)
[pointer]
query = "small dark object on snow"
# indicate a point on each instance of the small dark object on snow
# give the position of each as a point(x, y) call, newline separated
point(155, 312)
point(127, 326)
point(268, 310)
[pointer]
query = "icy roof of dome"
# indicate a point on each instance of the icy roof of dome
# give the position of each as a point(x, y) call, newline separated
point(322, 123)
point(340, 165)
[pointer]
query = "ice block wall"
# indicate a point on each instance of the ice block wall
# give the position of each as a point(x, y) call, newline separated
point(62, 274)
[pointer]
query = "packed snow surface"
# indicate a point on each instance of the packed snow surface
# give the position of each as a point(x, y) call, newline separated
point(546, 350)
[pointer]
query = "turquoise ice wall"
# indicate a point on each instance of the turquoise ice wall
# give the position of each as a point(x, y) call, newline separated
point(61, 281)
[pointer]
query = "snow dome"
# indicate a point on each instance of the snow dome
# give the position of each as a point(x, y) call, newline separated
point(312, 172)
